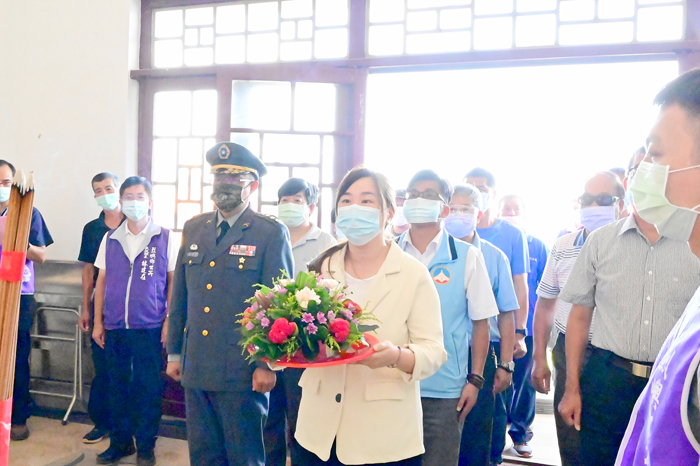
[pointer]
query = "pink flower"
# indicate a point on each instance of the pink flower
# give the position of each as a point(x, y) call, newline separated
point(281, 330)
point(260, 315)
point(306, 317)
point(340, 329)
point(254, 307)
point(262, 300)
point(331, 316)
point(347, 314)
point(311, 328)
point(321, 318)
point(265, 322)
point(283, 291)
point(249, 326)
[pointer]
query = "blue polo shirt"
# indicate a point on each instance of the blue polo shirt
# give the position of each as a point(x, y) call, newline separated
point(539, 252)
point(501, 281)
point(512, 241)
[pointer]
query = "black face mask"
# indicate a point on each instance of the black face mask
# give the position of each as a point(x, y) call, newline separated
point(227, 196)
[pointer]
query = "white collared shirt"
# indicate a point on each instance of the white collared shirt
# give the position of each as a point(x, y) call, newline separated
point(309, 247)
point(135, 245)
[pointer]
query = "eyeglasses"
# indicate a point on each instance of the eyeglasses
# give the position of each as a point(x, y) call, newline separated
point(602, 199)
point(428, 194)
point(631, 171)
point(131, 197)
point(461, 209)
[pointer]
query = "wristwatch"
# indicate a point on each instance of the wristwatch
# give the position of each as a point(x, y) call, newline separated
point(521, 331)
point(507, 366)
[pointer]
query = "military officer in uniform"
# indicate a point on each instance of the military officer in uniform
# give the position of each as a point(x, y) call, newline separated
point(223, 254)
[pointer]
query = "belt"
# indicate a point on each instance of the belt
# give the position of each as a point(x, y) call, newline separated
point(642, 370)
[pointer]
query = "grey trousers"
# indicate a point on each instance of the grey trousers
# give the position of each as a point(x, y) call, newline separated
point(442, 431)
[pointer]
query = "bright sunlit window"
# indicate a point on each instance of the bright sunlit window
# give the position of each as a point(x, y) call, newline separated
point(540, 130)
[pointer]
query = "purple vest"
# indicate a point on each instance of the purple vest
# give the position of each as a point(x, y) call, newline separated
point(659, 432)
point(135, 294)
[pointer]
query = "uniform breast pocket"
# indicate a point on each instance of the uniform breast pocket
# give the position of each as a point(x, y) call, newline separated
point(193, 270)
point(242, 263)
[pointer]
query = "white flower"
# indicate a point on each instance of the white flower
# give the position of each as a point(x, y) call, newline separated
point(284, 282)
point(332, 285)
point(305, 296)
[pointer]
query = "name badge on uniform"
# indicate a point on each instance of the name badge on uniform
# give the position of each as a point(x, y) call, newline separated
point(242, 250)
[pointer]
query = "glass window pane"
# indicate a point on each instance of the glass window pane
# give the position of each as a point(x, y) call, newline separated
point(525, 6)
point(185, 211)
point(164, 160)
point(262, 47)
point(493, 33)
point(270, 183)
point(305, 29)
point(331, 13)
point(262, 16)
point(190, 151)
point(168, 24)
point(196, 184)
point(204, 106)
point(297, 8)
point(649, 2)
point(206, 36)
point(250, 141)
point(167, 53)
point(291, 148)
point(183, 183)
point(328, 158)
point(386, 11)
point(199, 16)
point(300, 50)
point(455, 19)
point(493, 7)
point(261, 105)
point(608, 9)
point(202, 56)
point(164, 205)
point(269, 209)
point(230, 49)
point(327, 206)
point(415, 4)
point(576, 10)
point(310, 174)
point(535, 30)
point(209, 143)
point(288, 30)
point(596, 33)
point(230, 19)
point(386, 40)
point(661, 23)
point(171, 113)
point(314, 107)
point(422, 20)
point(191, 37)
point(331, 43)
point(207, 204)
point(438, 42)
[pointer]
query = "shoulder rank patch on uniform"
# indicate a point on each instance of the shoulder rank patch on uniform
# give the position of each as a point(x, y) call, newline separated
point(242, 250)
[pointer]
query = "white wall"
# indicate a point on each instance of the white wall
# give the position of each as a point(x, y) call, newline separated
point(68, 109)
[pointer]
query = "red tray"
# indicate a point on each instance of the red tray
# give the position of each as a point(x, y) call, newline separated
point(340, 360)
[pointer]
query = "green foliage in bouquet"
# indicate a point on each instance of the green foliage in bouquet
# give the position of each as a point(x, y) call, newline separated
point(302, 315)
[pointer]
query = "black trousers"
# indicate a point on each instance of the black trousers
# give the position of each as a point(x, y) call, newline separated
point(226, 428)
point(500, 417)
point(520, 399)
point(568, 437)
point(98, 403)
point(282, 419)
point(310, 459)
point(608, 395)
point(475, 446)
point(21, 399)
point(134, 364)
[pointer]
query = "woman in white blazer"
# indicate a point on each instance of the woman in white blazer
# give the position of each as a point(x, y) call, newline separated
point(370, 413)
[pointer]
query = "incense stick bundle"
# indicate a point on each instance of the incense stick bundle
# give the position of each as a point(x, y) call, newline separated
point(15, 244)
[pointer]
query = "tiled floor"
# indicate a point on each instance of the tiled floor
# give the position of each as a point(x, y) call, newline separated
point(52, 444)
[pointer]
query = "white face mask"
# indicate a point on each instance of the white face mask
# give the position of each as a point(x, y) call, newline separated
point(515, 220)
point(135, 210)
point(648, 190)
point(292, 214)
point(5, 193)
point(485, 201)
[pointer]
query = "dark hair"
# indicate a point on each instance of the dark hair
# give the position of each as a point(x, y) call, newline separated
point(619, 189)
point(5, 163)
point(683, 91)
point(103, 176)
point(482, 173)
point(386, 198)
point(400, 193)
point(429, 175)
point(294, 185)
point(631, 165)
point(136, 180)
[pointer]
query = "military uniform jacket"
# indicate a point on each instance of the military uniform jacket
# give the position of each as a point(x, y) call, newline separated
point(210, 287)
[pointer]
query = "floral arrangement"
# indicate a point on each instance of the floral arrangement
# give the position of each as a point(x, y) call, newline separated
point(309, 319)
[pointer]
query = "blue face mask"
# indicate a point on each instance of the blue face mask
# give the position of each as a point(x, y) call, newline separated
point(422, 210)
point(5, 193)
point(135, 210)
point(595, 217)
point(359, 224)
point(108, 201)
point(485, 201)
point(459, 225)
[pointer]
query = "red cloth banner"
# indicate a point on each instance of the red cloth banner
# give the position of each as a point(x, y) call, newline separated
point(5, 425)
point(12, 266)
